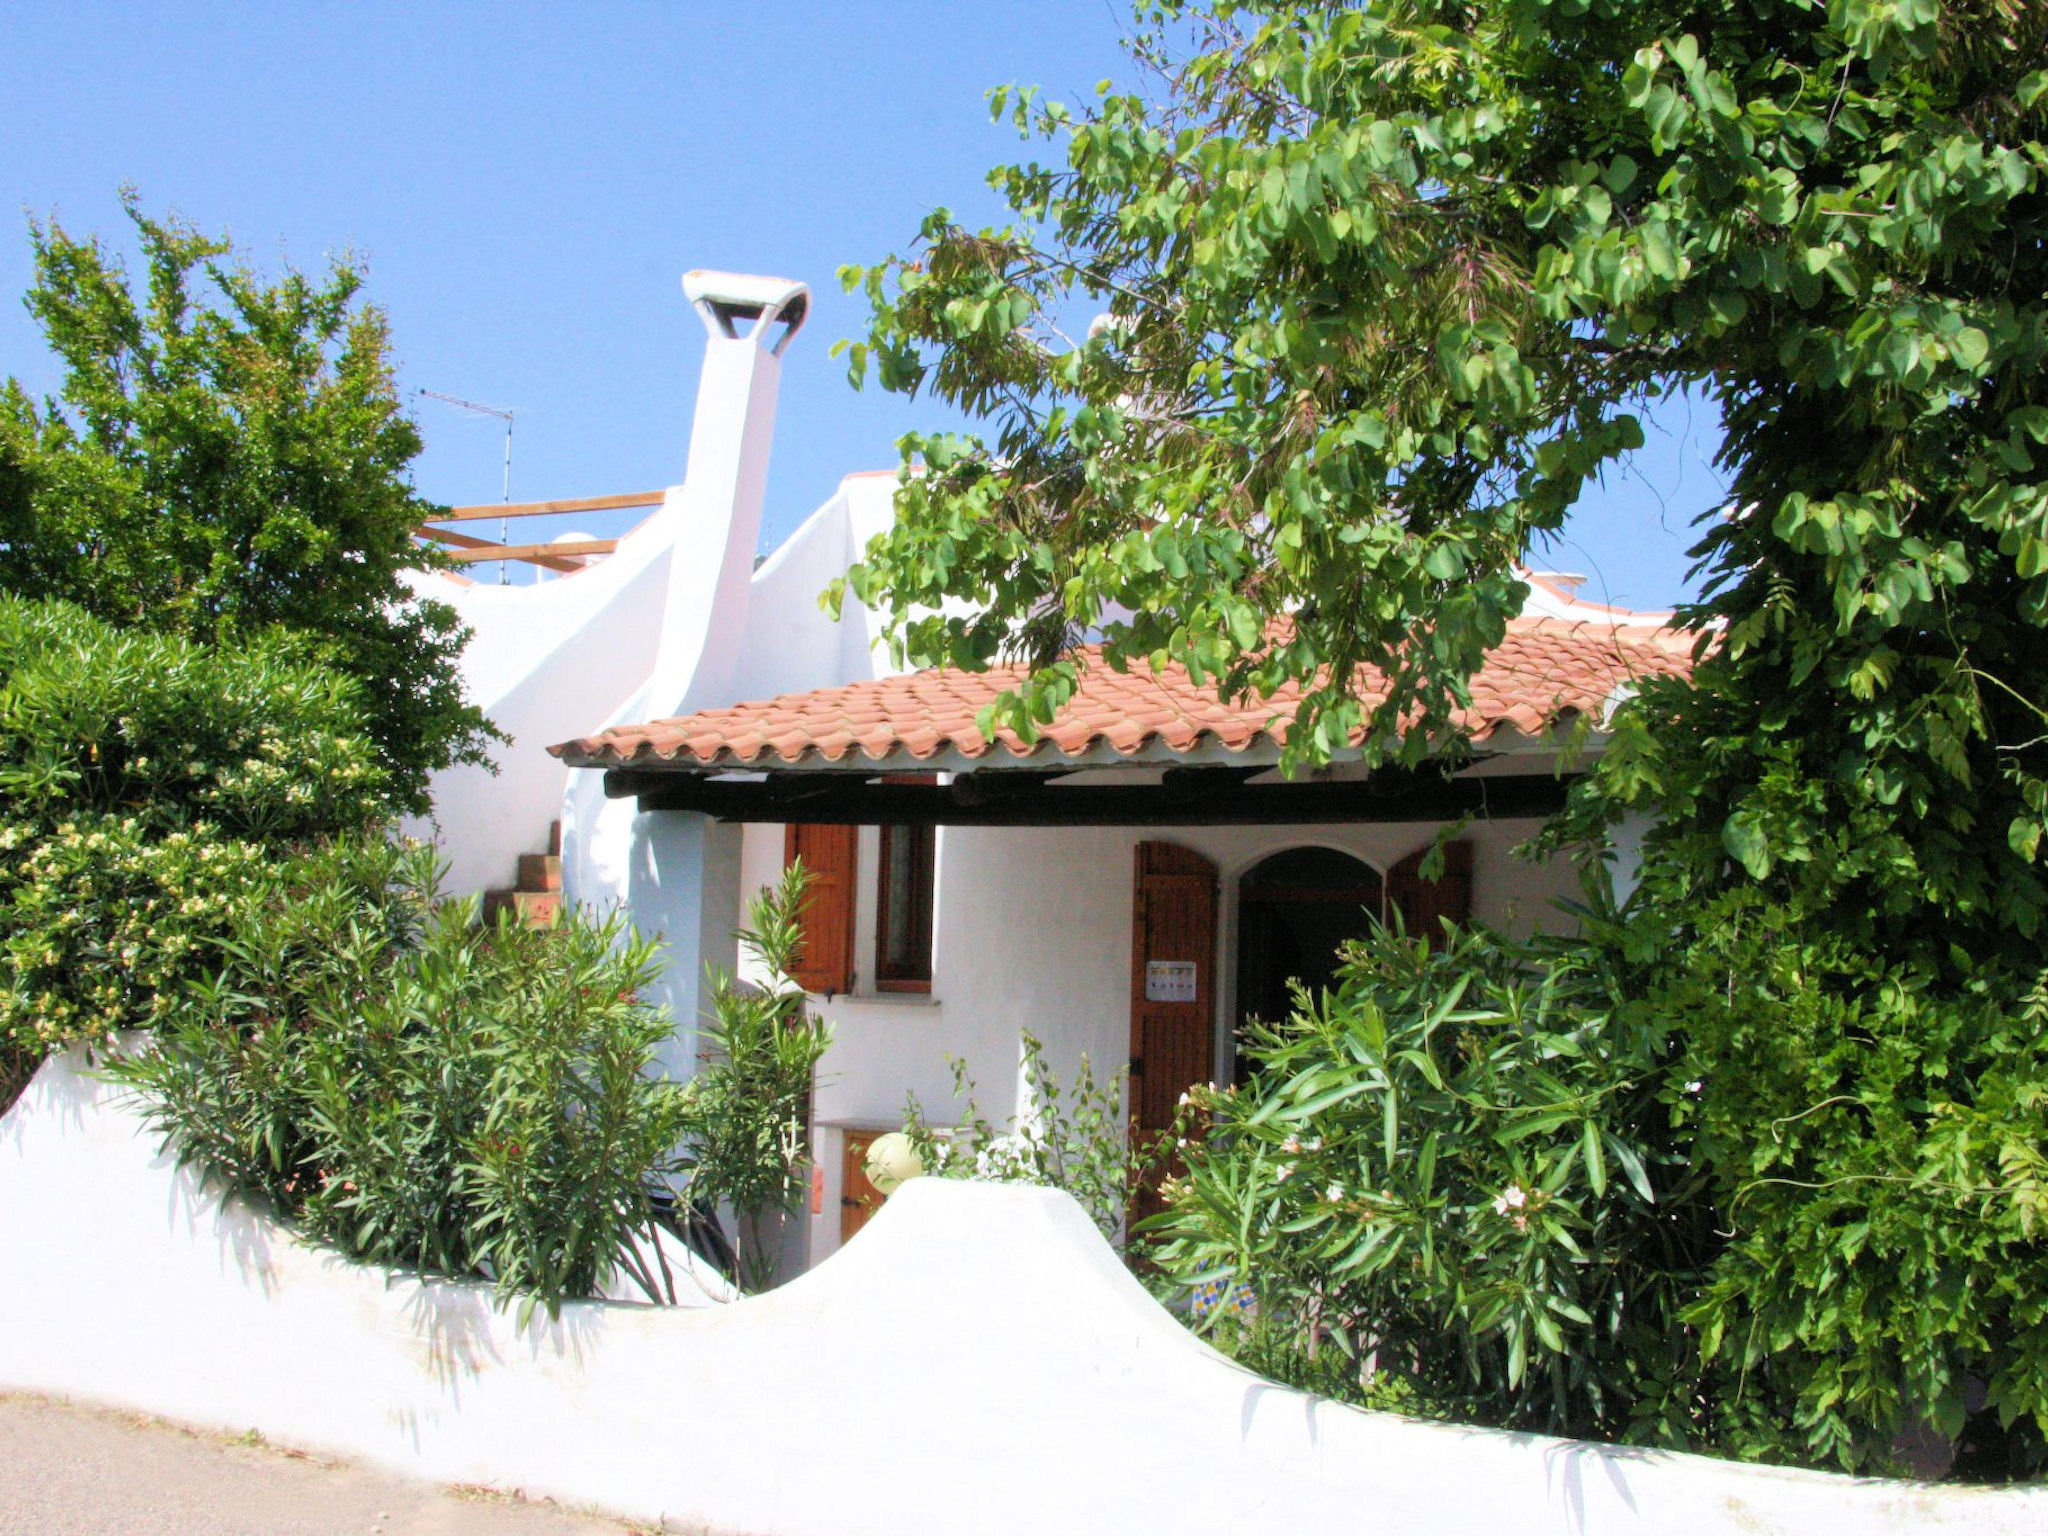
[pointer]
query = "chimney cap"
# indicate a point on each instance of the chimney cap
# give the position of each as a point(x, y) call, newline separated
point(725, 299)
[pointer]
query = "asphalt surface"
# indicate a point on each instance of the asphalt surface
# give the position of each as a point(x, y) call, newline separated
point(71, 1470)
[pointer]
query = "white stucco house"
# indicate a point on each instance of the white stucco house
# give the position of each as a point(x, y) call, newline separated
point(1130, 886)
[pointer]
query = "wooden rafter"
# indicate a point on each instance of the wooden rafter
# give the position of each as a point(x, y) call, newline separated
point(469, 541)
point(539, 554)
point(550, 508)
point(564, 556)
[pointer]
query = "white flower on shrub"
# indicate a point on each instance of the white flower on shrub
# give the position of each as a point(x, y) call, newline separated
point(1510, 1199)
point(1009, 1159)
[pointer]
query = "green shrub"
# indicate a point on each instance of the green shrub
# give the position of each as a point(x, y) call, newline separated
point(146, 784)
point(1072, 1138)
point(746, 1115)
point(1875, 1128)
point(421, 1092)
point(1452, 1171)
point(15, 1071)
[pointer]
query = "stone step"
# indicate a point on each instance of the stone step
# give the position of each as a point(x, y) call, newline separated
point(535, 909)
point(540, 872)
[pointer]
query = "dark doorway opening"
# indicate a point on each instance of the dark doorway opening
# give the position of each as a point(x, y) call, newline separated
point(1294, 910)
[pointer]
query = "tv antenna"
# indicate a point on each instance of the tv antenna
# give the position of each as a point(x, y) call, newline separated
point(504, 415)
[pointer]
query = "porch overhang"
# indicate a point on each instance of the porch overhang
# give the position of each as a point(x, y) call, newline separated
point(1009, 797)
point(1135, 747)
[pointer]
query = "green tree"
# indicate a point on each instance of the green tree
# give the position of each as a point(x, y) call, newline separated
point(227, 454)
point(1386, 286)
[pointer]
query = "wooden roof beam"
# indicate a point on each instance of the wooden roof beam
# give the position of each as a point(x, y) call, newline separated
point(467, 541)
point(1390, 795)
point(550, 508)
point(538, 554)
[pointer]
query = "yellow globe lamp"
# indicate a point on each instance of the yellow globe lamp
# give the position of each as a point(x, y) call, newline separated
point(891, 1159)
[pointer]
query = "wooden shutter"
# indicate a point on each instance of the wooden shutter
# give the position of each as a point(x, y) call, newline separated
point(825, 959)
point(1425, 905)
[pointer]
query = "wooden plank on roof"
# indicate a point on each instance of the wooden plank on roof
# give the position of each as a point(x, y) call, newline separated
point(550, 508)
point(471, 541)
point(538, 553)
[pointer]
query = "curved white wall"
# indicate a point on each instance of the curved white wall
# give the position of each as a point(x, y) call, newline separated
point(791, 643)
point(976, 1361)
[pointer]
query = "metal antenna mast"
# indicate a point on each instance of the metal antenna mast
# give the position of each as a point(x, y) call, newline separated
point(504, 526)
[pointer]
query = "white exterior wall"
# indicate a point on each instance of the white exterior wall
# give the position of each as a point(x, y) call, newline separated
point(566, 656)
point(766, 636)
point(1032, 933)
point(543, 661)
point(791, 644)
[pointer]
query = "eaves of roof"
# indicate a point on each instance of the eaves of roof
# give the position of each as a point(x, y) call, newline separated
point(1544, 674)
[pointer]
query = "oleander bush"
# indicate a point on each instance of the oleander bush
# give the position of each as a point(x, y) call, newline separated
point(1452, 1184)
point(147, 783)
point(746, 1114)
point(423, 1092)
point(193, 844)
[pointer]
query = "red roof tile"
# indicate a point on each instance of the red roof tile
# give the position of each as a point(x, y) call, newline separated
point(1546, 670)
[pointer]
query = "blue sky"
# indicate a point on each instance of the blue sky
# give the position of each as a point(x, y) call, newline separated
point(527, 184)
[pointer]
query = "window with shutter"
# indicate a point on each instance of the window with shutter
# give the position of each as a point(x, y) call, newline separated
point(825, 958)
point(1424, 905)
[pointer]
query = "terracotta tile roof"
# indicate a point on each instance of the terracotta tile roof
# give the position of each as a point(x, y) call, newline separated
point(1546, 670)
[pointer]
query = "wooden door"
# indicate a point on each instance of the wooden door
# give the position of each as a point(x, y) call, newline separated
point(1173, 954)
point(1426, 905)
point(858, 1197)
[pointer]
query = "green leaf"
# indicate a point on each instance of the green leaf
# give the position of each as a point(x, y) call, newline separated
point(1527, 1125)
point(1596, 1167)
point(2023, 836)
point(1743, 837)
point(1444, 561)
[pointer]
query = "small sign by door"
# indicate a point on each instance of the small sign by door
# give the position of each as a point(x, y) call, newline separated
point(1170, 981)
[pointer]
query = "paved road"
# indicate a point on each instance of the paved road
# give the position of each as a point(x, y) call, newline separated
point(68, 1470)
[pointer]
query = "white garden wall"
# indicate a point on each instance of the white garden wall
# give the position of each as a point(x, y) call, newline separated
point(977, 1360)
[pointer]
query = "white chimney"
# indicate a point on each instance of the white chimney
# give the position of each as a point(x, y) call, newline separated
point(749, 321)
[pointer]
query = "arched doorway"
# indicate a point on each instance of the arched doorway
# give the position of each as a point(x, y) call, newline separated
point(1294, 909)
